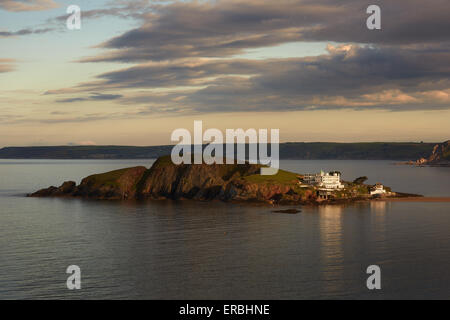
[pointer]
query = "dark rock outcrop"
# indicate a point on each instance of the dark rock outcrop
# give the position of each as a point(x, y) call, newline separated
point(165, 180)
point(119, 184)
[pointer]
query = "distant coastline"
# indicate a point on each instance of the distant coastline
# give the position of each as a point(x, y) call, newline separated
point(396, 151)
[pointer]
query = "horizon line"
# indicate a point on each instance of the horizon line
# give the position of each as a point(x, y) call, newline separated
point(170, 145)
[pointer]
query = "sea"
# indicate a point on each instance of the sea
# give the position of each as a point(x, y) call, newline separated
point(216, 250)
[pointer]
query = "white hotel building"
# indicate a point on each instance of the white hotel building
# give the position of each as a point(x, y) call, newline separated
point(329, 180)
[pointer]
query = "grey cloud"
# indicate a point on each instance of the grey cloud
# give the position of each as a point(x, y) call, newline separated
point(101, 96)
point(24, 32)
point(93, 97)
point(133, 9)
point(344, 69)
point(350, 69)
point(225, 28)
point(70, 100)
point(86, 118)
point(404, 22)
point(349, 76)
point(58, 113)
point(185, 73)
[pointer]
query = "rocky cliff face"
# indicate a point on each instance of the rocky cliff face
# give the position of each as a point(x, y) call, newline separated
point(164, 180)
point(439, 156)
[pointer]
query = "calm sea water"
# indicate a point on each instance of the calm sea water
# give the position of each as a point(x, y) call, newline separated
point(188, 250)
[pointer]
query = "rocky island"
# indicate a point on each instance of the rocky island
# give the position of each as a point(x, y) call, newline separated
point(236, 182)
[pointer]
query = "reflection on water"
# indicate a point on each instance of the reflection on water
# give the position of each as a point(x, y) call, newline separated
point(332, 254)
point(199, 250)
point(379, 211)
point(378, 214)
point(378, 207)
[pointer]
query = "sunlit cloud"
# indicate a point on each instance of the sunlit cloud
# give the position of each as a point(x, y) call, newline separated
point(6, 65)
point(27, 5)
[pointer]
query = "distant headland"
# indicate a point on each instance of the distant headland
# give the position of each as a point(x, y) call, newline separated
point(224, 182)
point(440, 156)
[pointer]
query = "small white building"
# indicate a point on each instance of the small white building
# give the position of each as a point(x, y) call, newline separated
point(378, 189)
point(329, 180)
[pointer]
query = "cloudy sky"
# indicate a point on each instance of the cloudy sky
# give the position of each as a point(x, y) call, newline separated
point(139, 69)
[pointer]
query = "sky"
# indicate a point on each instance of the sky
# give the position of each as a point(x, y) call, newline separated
point(137, 70)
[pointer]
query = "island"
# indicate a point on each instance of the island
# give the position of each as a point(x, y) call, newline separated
point(224, 182)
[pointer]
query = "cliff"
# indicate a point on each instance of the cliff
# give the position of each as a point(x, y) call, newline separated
point(164, 180)
point(439, 156)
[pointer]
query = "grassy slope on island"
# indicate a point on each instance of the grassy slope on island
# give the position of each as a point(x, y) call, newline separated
point(120, 183)
point(106, 179)
point(282, 177)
